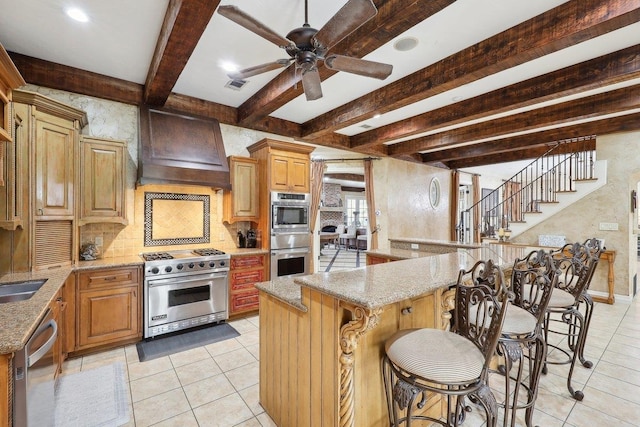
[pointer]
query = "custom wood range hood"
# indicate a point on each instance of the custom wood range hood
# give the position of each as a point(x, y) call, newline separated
point(180, 149)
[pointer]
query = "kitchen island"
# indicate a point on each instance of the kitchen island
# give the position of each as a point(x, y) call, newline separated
point(322, 336)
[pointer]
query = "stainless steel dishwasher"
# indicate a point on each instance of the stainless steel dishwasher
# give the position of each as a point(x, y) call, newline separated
point(34, 373)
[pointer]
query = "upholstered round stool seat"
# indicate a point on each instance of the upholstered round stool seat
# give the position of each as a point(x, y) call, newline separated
point(561, 299)
point(437, 355)
point(518, 321)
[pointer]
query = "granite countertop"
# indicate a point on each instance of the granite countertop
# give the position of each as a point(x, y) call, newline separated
point(378, 285)
point(125, 261)
point(448, 243)
point(19, 319)
point(285, 289)
point(246, 251)
point(397, 254)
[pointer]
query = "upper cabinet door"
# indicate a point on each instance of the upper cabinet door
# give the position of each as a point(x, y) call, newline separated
point(55, 167)
point(103, 177)
point(241, 203)
point(289, 173)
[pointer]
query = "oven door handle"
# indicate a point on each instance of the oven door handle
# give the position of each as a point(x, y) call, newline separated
point(276, 252)
point(191, 279)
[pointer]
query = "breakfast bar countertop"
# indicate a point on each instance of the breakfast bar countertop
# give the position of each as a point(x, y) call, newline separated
point(20, 318)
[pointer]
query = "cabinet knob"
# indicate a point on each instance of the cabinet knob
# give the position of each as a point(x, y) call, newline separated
point(40, 212)
point(406, 310)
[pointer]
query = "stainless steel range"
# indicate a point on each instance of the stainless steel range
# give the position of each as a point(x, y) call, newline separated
point(183, 289)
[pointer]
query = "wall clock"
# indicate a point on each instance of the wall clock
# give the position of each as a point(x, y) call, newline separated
point(434, 192)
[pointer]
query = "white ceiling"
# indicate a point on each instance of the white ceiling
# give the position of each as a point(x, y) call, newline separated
point(120, 37)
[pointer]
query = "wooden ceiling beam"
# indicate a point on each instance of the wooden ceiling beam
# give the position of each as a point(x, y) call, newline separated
point(525, 145)
point(606, 70)
point(55, 76)
point(184, 23)
point(566, 25)
point(394, 17)
point(580, 109)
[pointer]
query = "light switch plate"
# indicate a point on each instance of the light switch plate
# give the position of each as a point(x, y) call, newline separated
point(609, 226)
point(414, 246)
point(99, 241)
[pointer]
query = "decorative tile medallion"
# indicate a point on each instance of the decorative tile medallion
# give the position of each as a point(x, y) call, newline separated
point(176, 219)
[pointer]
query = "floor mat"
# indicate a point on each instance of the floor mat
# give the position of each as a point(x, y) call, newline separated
point(92, 398)
point(164, 345)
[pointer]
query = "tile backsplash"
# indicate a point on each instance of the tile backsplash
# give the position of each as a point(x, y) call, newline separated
point(120, 240)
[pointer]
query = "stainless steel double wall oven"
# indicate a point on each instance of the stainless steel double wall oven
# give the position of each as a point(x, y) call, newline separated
point(290, 234)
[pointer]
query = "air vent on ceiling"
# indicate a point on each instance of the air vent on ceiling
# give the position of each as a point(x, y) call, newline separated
point(366, 126)
point(236, 84)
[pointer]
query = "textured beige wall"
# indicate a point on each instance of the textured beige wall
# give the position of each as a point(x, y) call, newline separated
point(402, 195)
point(610, 203)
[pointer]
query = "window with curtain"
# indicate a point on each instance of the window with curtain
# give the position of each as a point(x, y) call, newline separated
point(357, 204)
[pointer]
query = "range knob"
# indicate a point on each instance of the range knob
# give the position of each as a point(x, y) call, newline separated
point(168, 269)
point(222, 263)
point(212, 264)
point(191, 265)
point(201, 264)
point(155, 270)
point(179, 266)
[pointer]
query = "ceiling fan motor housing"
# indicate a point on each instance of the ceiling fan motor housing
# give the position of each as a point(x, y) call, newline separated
point(301, 37)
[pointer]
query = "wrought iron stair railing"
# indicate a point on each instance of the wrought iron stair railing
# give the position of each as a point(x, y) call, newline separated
point(554, 172)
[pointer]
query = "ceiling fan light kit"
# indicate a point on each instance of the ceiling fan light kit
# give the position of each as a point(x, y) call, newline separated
point(306, 45)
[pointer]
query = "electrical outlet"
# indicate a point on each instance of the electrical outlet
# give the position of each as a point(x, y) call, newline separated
point(609, 226)
point(414, 246)
point(99, 241)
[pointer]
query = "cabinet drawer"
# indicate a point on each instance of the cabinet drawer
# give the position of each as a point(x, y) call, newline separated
point(244, 301)
point(247, 262)
point(108, 278)
point(245, 279)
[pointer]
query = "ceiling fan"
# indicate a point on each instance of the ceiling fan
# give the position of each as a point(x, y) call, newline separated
point(306, 46)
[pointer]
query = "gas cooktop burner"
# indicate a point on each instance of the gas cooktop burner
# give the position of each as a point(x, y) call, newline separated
point(154, 256)
point(208, 252)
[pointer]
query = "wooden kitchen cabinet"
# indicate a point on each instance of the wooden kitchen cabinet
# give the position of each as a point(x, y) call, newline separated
point(58, 308)
point(284, 167)
point(241, 203)
point(52, 137)
point(102, 188)
point(108, 307)
point(10, 79)
point(14, 196)
point(372, 259)
point(55, 166)
point(245, 272)
point(290, 173)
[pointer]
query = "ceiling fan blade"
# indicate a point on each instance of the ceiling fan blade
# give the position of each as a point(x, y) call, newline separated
point(251, 24)
point(362, 67)
point(348, 19)
point(311, 84)
point(259, 69)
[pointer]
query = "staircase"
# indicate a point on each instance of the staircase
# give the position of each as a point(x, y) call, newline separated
point(563, 175)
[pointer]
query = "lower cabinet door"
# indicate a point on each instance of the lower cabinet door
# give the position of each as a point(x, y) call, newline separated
point(244, 301)
point(108, 315)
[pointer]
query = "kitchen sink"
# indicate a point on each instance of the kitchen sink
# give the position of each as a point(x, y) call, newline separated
point(19, 291)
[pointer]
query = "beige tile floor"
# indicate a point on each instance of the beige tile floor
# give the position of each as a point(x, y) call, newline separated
point(217, 384)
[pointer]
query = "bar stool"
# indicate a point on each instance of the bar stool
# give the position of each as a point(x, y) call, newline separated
point(576, 263)
point(533, 279)
point(455, 363)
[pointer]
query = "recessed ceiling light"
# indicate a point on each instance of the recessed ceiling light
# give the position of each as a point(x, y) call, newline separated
point(456, 98)
point(377, 116)
point(405, 44)
point(77, 14)
point(228, 66)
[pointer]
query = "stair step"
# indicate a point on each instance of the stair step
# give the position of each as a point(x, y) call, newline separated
point(567, 191)
point(549, 201)
point(585, 180)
